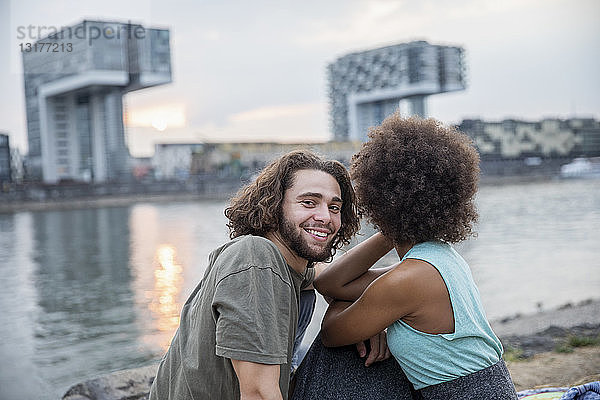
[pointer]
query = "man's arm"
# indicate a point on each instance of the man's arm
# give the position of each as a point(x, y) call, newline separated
point(258, 381)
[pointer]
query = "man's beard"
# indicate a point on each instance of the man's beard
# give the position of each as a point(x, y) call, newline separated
point(292, 236)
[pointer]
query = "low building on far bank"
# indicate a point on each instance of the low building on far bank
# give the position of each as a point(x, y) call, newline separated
point(142, 169)
point(180, 161)
point(520, 148)
point(17, 165)
point(174, 160)
point(507, 148)
point(548, 138)
point(255, 156)
point(5, 160)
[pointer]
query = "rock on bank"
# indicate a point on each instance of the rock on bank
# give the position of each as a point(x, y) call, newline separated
point(131, 384)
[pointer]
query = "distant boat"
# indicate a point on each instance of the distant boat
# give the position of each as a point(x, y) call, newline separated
point(581, 167)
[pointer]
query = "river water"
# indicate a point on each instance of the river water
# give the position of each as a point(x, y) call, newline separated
point(90, 291)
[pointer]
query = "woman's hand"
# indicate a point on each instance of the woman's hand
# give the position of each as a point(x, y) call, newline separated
point(379, 349)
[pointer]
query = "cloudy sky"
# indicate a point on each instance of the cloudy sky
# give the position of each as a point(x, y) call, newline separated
point(256, 70)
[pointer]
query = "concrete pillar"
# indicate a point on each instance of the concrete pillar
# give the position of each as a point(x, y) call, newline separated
point(47, 140)
point(97, 128)
point(117, 152)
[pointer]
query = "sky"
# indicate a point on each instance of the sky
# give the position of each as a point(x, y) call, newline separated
point(256, 70)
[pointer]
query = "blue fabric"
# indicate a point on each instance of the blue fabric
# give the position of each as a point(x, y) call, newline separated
point(429, 359)
point(530, 392)
point(588, 391)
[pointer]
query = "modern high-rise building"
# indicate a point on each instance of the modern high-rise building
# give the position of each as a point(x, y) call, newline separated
point(75, 80)
point(366, 87)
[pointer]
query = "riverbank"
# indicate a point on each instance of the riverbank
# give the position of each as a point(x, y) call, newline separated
point(44, 198)
point(556, 348)
point(108, 201)
point(554, 369)
point(38, 197)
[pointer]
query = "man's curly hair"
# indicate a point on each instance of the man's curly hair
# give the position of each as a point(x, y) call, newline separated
point(257, 208)
point(416, 179)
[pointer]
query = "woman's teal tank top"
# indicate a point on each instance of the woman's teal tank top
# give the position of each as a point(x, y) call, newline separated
point(429, 359)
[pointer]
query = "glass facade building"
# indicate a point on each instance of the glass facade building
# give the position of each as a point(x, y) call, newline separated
point(365, 87)
point(75, 80)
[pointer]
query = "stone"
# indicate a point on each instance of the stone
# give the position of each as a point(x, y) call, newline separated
point(130, 384)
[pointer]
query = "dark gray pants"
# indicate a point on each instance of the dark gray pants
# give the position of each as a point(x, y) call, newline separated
point(491, 383)
point(340, 374)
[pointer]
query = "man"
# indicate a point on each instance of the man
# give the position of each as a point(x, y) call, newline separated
point(237, 329)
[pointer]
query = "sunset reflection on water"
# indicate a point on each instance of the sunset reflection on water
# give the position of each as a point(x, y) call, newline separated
point(169, 247)
point(167, 285)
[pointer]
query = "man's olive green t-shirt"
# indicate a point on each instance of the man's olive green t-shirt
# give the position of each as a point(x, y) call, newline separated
point(245, 308)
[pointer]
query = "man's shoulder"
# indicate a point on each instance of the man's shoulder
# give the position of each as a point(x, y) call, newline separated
point(254, 246)
point(250, 250)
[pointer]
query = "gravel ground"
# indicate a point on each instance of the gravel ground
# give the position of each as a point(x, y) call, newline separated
point(546, 331)
point(556, 369)
point(538, 351)
point(567, 316)
point(553, 338)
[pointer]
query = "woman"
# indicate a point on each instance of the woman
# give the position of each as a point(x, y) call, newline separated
point(415, 180)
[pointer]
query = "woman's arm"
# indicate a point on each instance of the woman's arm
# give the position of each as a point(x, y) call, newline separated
point(396, 294)
point(348, 276)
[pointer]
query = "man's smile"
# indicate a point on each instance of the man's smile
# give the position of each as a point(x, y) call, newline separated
point(320, 234)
